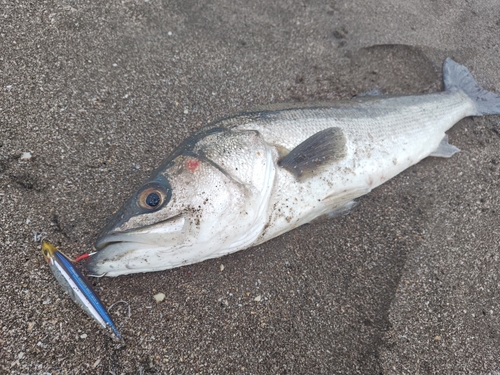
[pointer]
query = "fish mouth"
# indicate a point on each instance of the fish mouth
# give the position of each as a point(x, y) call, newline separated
point(137, 250)
point(156, 233)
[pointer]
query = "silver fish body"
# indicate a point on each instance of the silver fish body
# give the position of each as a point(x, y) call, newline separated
point(243, 180)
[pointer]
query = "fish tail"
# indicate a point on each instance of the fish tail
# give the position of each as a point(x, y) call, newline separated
point(458, 76)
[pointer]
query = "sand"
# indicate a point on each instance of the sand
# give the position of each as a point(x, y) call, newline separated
point(98, 93)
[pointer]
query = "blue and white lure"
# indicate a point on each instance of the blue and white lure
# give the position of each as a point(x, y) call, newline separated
point(77, 286)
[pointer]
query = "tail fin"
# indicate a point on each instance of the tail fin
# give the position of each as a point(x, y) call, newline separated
point(458, 76)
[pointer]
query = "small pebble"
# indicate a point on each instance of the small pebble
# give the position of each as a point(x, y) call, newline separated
point(25, 156)
point(84, 336)
point(222, 267)
point(159, 297)
point(258, 298)
point(96, 363)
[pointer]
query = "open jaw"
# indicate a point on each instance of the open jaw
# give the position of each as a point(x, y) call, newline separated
point(142, 250)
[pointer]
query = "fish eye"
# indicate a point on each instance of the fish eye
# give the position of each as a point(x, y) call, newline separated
point(153, 196)
point(153, 199)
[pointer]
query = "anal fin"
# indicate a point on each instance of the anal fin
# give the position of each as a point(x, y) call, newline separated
point(445, 150)
point(315, 152)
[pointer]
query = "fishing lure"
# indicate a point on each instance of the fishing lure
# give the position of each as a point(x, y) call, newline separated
point(77, 286)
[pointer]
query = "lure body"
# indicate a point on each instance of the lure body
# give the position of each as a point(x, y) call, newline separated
point(77, 286)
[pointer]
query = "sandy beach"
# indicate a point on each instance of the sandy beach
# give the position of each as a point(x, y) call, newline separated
point(93, 95)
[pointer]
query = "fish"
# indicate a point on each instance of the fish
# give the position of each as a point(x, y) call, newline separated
point(78, 288)
point(247, 178)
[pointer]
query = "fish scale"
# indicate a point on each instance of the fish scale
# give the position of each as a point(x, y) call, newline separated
point(378, 117)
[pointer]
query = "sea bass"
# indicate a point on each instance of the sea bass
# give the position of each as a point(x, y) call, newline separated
point(245, 179)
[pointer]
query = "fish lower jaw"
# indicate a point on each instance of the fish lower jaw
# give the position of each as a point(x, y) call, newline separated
point(119, 258)
point(125, 258)
point(127, 271)
point(122, 258)
point(112, 269)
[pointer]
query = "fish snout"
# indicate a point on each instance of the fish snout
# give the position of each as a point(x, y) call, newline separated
point(138, 250)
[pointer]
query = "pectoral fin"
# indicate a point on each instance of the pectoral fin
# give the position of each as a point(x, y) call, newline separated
point(445, 150)
point(315, 152)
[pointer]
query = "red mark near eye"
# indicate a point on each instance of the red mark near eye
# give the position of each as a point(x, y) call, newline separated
point(192, 164)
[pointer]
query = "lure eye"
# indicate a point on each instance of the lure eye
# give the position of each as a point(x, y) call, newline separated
point(153, 196)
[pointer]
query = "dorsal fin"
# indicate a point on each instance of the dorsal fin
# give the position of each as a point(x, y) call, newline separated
point(315, 152)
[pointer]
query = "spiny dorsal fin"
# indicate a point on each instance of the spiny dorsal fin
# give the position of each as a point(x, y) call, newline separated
point(315, 152)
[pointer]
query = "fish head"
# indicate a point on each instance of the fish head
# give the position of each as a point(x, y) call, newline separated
point(208, 199)
point(48, 251)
